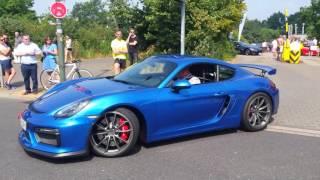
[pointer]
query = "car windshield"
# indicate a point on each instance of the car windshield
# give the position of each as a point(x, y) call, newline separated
point(147, 73)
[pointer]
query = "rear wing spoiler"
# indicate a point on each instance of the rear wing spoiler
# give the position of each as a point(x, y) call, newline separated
point(264, 69)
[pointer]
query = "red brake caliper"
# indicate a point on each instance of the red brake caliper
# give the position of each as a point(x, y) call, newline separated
point(124, 135)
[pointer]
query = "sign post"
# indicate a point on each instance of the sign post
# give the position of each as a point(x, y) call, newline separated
point(183, 14)
point(59, 11)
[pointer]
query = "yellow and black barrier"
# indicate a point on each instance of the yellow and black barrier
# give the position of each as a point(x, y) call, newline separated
point(295, 57)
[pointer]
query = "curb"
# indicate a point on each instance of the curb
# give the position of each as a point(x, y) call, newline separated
point(17, 94)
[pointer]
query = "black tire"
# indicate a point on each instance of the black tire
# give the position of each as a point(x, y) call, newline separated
point(257, 112)
point(111, 144)
point(247, 52)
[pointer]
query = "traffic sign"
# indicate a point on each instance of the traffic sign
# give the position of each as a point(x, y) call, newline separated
point(58, 10)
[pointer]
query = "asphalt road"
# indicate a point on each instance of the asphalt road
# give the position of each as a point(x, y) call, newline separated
point(225, 155)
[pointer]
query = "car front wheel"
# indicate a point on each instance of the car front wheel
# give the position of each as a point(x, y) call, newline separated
point(257, 112)
point(247, 52)
point(116, 134)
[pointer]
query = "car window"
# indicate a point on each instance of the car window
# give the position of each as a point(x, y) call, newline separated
point(198, 73)
point(147, 73)
point(225, 73)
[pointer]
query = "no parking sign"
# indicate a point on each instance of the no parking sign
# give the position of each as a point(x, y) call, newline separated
point(58, 10)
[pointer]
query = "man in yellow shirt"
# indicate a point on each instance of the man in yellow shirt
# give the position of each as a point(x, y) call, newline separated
point(119, 52)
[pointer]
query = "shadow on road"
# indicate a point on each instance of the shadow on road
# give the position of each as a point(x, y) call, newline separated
point(189, 138)
point(77, 159)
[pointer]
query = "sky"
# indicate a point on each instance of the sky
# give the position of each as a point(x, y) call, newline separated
point(256, 9)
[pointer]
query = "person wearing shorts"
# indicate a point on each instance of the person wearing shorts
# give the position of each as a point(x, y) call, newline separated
point(5, 59)
point(119, 53)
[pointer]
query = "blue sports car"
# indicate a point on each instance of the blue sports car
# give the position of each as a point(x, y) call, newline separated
point(160, 98)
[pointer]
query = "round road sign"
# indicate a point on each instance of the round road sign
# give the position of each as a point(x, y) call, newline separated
point(58, 10)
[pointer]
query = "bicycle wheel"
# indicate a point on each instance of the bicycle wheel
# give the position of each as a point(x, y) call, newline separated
point(82, 73)
point(49, 78)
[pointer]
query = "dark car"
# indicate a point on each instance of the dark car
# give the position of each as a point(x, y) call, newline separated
point(247, 49)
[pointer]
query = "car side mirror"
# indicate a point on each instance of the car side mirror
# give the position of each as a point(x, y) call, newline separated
point(181, 84)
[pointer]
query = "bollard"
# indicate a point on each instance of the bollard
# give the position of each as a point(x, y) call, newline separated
point(295, 57)
point(286, 51)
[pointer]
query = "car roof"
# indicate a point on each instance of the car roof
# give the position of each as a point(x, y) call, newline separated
point(185, 59)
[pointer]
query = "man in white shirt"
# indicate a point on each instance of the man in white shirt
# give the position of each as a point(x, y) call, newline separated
point(27, 51)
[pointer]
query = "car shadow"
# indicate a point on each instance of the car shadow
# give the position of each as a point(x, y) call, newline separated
point(188, 138)
point(76, 159)
point(64, 160)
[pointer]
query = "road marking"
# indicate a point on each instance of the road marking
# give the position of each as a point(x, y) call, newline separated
point(296, 131)
point(311, 63)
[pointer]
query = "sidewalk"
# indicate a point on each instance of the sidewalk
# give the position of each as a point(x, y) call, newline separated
point(98, 67)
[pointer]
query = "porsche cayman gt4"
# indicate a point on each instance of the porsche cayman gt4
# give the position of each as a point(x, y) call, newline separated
point(153, 100)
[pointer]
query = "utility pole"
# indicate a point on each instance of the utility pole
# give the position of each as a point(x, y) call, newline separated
point(183, 24)
point(59, 34)
point(295, 29)
point(286, 14)
point(302, 28)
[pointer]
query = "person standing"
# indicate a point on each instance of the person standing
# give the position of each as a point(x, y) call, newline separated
point(132, 42)
point(315, 41)
point(274, 48)
point(49, 52)
point(119, 52)
point(279, 48)
point(17, 41)
point(28, 50)
point(68, 50)
point(6, 64)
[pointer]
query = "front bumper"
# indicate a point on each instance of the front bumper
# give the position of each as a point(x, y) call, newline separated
point(71, 137)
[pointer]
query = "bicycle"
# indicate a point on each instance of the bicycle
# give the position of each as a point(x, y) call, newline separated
point(49, 77)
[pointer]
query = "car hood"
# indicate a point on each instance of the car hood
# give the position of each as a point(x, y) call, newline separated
point(86, 89)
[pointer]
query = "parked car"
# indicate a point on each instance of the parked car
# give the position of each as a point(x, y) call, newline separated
point(247, 49)
point(150, 101)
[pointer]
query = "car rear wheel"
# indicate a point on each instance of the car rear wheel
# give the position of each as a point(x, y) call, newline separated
point(257, 112)
point(116, 134)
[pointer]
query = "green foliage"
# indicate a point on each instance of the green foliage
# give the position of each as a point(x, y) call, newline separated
point(92, 24)
point(256, 31)
point(17, 8)
point(208, 23)
point(310, 15)
point(275, 21)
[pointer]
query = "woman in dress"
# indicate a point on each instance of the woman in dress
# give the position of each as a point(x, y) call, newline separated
point(49, 52)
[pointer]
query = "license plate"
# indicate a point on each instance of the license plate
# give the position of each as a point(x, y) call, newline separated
point(23, 124)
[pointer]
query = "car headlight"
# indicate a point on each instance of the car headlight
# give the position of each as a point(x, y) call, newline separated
point(252, 49)
point(71, 109)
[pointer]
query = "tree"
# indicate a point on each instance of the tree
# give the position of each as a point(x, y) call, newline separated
point(208, 23)
point(275, 21)
point(88, 12)
point(256, 31)
point(162, 19)
point(17, 8)
point(311, 16)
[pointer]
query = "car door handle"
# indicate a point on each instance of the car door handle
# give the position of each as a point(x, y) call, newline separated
point(219, 94)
